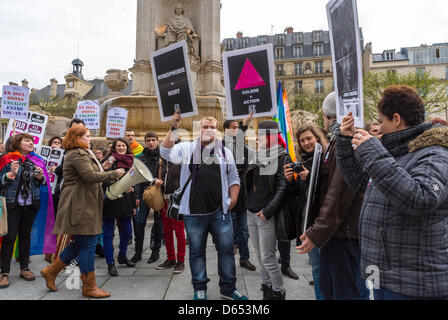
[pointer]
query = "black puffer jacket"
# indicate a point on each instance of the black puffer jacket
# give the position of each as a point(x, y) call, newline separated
point(273, 186)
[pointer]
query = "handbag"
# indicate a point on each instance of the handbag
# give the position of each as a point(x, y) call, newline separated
point(175, 198)
point(153, 195)
point(3, 217)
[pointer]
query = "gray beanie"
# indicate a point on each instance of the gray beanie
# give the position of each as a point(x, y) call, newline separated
point(329, 105)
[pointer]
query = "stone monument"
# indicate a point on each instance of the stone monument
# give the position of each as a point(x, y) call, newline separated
point(159, 24)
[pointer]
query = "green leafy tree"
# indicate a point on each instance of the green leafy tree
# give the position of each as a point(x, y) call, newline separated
point(432, 90)
point(310, 101)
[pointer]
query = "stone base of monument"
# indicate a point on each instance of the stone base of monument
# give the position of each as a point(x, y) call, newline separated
point(144, 114)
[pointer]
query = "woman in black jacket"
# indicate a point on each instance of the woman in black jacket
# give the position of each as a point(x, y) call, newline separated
point(121, 209)
point(265, 187)
point(308, 136)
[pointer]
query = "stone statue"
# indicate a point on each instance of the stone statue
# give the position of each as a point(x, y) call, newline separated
point(177, 29)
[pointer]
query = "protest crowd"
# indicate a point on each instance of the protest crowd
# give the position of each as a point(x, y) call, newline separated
point(378, 204)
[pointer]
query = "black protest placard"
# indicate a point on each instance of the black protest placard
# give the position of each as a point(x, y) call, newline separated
point(250, 82)
point(347, 62)
point(172, 80)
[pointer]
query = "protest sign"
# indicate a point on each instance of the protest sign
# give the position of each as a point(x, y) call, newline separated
point(15, 102)
point(311, 193)
point(347, 63)
point(89, 112)
point(53, 158)
point(250, 82)
point(172, 80)
point(35, 124)
point(116, 122)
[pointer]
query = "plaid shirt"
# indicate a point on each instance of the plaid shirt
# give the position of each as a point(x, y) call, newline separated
point(404, 219)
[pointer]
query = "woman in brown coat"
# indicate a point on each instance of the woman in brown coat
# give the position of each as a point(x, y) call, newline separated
point(80, 210)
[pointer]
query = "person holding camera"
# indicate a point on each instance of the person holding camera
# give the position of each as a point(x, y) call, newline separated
point(121, 209)
point(20, 180)
point(80, 210)
point(307, 136)
point(265, 188)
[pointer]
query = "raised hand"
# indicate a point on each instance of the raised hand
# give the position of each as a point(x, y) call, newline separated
point(348, 125)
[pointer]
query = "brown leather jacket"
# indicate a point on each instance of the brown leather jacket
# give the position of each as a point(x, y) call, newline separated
point(339, 204)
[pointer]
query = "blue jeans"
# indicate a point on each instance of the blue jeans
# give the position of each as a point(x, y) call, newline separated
point(314, 256)
point(84, 249)
point(384, 294)
point(221, 229)
point(241, 233)
point(108, 237)
point(140, 219)
point(340, 274)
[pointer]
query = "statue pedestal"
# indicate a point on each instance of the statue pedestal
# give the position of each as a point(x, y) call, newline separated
point(144, 114)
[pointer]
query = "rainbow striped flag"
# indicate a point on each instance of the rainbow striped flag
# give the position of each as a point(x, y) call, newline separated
point(283, 118)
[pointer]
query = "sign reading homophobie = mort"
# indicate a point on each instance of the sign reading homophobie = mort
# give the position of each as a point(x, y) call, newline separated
point(53, 158)
point(89, 112)
point(172, 80)
point(116, 122)
point(347, 64)
point(250, 82)
point(15, 102)
point(35, 124)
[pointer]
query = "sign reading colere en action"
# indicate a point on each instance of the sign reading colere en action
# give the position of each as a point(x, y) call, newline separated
point(250, 82)
point(172, 79)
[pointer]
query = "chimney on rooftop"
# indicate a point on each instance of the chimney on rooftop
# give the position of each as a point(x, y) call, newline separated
point(25, 83)
point(289, 30)
point(239, 35)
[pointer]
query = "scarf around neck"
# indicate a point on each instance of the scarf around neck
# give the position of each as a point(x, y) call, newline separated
point(124, 161)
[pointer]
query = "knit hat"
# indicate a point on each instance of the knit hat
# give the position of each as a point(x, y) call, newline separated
point(268, 125)
point(329, 105)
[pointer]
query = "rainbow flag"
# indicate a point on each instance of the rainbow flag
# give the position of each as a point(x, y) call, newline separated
point(283, 118)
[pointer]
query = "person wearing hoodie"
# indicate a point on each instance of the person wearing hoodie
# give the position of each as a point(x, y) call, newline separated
point(265, 188)
point(335, 228)
point(404, 216)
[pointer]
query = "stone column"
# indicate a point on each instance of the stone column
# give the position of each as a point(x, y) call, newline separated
point(142, 83)
point(53, 88)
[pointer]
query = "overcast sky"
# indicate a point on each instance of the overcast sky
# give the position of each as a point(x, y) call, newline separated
point(39, 39)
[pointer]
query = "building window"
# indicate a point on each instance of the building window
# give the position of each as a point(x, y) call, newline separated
point(317, 36)
point(262, 40)
point(389, 56)
point(229, 45)
point(446, 74)
point(243, 43)
point(297, 51)
point(437, 53)
point(319, 67)
point(280, 53)
point(318, 50)
point(298, 86)
point(298, 68)
point(280, 71)
point(298, 37)
point(280, 40)
point(319, 86)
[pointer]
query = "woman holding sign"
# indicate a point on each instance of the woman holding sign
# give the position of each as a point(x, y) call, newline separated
point(20, 179)
point(80, 210)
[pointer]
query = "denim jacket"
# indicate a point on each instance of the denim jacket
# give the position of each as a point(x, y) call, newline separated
point(9, 187)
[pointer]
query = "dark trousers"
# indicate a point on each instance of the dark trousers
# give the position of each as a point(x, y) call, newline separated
point(140, 219)
point(241, 233)
point(384, 294)
point(108, 237)
point(284, 248)
point(20, 222)
point(340, 274)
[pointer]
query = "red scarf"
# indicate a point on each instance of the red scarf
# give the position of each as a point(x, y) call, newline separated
point(124, 161)
point(10, 157)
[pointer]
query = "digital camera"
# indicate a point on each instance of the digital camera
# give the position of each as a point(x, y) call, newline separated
point(296, 167)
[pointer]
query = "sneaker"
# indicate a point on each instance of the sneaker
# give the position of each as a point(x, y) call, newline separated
point(200, 295)
point(74, 263)
point(179, 268)
point(236, 295)
point(166, 265)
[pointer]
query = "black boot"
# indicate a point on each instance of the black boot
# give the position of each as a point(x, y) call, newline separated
point(124, 260)
point(267, 291)
point(112, 270)
point(137, 257)
point(154, 257)
point(279, 295)
point(289, 273)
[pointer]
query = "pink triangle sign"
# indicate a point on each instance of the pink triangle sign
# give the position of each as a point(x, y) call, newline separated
point(249, 77)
